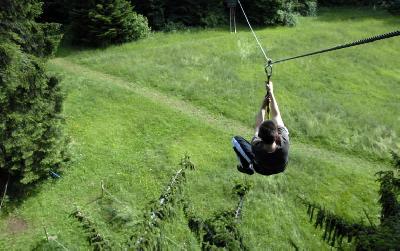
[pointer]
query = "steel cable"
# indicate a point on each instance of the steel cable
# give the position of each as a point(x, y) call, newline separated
point(358, 42)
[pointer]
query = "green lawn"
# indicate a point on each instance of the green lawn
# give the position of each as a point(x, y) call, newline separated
point(133, 111)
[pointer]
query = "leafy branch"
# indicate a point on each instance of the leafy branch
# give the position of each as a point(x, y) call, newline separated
point(149, 230)
point(222, 229)
point(335, 228)
point(94, 237)
point(386, 236)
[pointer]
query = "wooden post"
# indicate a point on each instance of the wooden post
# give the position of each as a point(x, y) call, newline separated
point(5, 192)
point(232, 14)
point(45, 232)
point(102, 189)
point(234, 18)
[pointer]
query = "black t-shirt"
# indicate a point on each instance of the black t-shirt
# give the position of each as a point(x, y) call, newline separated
point(271, 163)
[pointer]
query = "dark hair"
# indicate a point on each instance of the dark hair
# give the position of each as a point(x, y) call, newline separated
point(268, 132)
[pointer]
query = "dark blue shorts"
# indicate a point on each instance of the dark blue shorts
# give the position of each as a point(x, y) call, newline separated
point(243, 151)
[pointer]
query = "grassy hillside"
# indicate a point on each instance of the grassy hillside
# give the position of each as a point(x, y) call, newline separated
point(133, 110)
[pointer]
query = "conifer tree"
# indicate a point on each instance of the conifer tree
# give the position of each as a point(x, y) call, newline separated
point(385, 236)
point(104, 22)
point(32, 142)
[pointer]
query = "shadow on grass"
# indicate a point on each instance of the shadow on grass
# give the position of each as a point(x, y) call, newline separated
point(16, 192)
point(67, 47)
point(352, 13)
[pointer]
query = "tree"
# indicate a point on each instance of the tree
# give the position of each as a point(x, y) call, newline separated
point(32, 142)
point(163, 13)
point(385, 236)
point(104, 22)
point(270, 12)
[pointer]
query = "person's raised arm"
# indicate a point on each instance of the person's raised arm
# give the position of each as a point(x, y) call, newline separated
point(275, 113)
point(261, 114)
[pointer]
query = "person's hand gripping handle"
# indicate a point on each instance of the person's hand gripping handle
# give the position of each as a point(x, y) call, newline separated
point(269, 87)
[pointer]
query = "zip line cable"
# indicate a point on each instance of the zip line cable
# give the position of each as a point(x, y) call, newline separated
point(270, 62)
point(254, 34)
point(358, 42)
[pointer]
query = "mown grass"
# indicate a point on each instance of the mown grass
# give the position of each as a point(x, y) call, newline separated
point(342, 100)
point(132, 111)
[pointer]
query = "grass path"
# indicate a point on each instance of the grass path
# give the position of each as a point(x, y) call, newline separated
point(220, 122)
point(343, 101)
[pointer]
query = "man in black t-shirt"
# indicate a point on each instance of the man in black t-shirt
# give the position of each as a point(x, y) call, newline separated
point(268, 152)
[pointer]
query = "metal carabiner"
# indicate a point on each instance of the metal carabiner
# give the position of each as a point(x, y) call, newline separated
point(268, 69)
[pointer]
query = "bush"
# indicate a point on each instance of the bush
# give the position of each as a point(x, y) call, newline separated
point(271, 12)
point(306, 7)
point(348, 2)
point(107, 22)
point(286, 18)
point(173, 27)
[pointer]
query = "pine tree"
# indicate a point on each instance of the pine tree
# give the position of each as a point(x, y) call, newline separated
point(17, 19)
point(385, 236)
point(104, 22)
point(32, 142)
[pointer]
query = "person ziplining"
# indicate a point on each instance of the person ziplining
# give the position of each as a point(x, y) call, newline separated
point(268, 152)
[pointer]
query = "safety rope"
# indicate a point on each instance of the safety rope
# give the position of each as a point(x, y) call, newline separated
point(268, 67)
point(254, 34)
point(358, 42)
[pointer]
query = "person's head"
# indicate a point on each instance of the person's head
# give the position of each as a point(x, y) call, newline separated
point(268, 132)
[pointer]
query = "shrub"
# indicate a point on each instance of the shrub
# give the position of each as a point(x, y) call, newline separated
point(306, 7)
point(348, 2)
point(285, 18)
point(173, 27)
point(104, 22)
point(270, 12)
